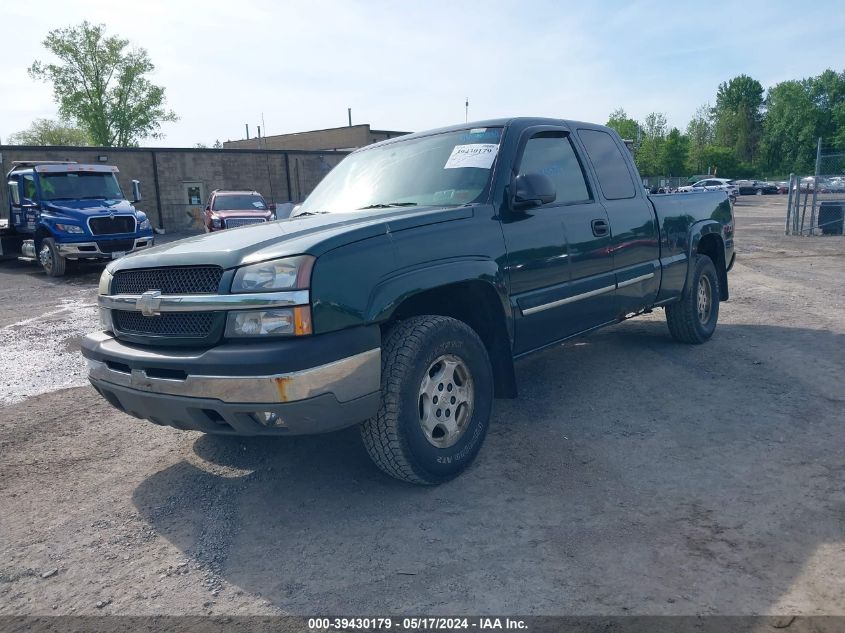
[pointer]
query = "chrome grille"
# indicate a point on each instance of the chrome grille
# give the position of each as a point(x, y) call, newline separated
point(175, 324)
point(232, 223)
point(170, 281)
point(112, 225)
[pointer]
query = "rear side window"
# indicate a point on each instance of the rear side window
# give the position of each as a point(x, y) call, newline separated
point(612, 171)
point(552, 154)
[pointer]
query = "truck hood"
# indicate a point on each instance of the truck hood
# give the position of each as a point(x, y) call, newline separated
point(87, 208)
point(312, 235)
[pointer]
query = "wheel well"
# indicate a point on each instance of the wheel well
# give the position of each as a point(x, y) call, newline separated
point(40, 234)
point(477, 304)
point(712, 246)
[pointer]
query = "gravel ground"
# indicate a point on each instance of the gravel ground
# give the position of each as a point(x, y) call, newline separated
point(633, 475)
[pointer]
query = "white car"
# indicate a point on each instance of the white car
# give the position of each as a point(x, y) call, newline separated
point(714, 184)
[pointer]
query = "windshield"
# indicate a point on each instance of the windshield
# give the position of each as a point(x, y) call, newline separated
point(239, 202)
point(80, 185)
point(446, 169)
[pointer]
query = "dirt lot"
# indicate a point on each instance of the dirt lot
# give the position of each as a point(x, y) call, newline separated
point(634, 475)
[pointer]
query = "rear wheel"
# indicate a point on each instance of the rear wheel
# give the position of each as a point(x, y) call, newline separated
point(437, 394)
point(51, 260)
point(693, 319)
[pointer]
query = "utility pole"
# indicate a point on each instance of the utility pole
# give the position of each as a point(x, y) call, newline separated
point(247, 130)
point(349, 114)
point(466, 111)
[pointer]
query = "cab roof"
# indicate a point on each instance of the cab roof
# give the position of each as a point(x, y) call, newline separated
point(60, 167)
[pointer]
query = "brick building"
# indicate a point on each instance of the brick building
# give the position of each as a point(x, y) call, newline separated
point(175, 183)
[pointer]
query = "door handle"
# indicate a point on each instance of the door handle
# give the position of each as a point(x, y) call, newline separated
point(600, 228)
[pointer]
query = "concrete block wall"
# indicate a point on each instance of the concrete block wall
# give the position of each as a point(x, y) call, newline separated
point(267, 172)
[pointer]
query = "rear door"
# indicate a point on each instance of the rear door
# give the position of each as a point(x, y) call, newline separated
point(560, 269)
point(635, 243)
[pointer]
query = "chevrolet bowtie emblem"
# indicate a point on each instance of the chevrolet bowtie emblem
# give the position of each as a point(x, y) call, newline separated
point(149, 303)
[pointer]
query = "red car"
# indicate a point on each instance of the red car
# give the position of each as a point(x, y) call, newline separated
point(230, 209)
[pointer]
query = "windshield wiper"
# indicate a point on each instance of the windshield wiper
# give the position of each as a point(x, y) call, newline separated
point(387, 205)
point(304, 213)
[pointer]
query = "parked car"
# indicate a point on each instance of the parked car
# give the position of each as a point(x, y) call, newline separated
point(755, 187)
point(231, 209)
point(713, 184)
point(398, 295)
point(783, 186)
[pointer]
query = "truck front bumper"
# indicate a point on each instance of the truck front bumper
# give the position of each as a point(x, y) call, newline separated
point(229, 390)
point(84, 250)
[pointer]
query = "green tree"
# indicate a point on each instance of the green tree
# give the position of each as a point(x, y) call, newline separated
point(790, 129)
point(653, 135)
point(701, 136)
point(724, 163)
point(50, 132)
point(739, 115)
point(101, 85)
point(673, 153)
point(627, 128)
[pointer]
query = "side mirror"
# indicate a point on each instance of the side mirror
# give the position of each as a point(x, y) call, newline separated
point(532, 190)
point(136, 191)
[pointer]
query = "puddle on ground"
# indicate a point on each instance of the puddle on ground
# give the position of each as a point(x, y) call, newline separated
point(41, 354)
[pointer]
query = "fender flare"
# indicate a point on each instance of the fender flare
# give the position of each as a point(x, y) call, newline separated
point(699, 230)
point(389, 293)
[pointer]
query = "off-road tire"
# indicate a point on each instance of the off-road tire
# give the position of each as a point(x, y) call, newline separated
point(57, 264)
point(682, 317)
point(394, 437)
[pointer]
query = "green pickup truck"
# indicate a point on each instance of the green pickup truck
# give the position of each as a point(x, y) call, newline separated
point(398, 296)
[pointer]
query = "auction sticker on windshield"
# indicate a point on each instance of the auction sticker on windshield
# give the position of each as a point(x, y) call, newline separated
point(479, 155)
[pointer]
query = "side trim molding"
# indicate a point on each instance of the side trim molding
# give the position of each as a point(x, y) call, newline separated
point(585, 295)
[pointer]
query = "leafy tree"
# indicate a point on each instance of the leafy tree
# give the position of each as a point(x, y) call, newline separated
point(724, 163)
point(102, 86)
point(701, 136)
point(790, 128)
point(653, 135)
point(673, 153)
point(626, 127)
point(50, 132)
point(739, 115)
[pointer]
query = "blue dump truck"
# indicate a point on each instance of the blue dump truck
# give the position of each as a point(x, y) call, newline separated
point(64, 210)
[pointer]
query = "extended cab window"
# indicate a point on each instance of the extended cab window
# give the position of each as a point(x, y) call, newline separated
point(552, 154)
point(607, 159)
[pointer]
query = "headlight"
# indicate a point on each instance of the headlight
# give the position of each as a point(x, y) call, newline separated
point(281, 322)
point(69, 228)
point(105, 282)
point(292, 273)
point(145, 224)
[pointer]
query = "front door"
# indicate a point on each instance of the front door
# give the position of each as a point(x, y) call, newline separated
point(193, 195)
point(559, 264)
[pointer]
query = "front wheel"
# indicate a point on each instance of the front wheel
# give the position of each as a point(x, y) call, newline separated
point(436, 398)
point(693, 318)
point(51, 260)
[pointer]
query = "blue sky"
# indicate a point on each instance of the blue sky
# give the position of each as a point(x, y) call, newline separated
point(410, 65)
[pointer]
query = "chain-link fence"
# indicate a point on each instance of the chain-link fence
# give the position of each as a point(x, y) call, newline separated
point(816, 203)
